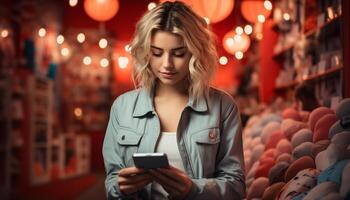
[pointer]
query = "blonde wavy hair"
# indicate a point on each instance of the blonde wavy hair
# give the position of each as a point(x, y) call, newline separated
point(175, 17)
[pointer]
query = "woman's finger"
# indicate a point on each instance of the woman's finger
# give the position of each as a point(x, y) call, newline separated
point(164, 180)
point(174, 174)
point(134, 179)
point(129, 171)
point(129, 189)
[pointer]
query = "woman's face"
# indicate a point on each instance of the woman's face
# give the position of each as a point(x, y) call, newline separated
point(169, 58)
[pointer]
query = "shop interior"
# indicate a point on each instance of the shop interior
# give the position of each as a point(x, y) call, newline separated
point(64, 62)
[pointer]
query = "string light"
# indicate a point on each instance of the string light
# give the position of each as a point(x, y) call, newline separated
point(60, 39)
point(104, 62)
point(237, 38)
point(248, 29)
point(268, 5)
point(259, 36)
point(103, 43)
point(286, 16)
point(230, 42)
point(207, 20)
point(151, 5)
point(123, 62)
point(223, 60)
point(127, 48)
point(261, 18)
point(73, 3)
point(42, 32)
point(65, 51)
point(239, 30)
point(87, 60)
point(78, 112)
point(81, 37)
point(239, 55)
point(4, 33)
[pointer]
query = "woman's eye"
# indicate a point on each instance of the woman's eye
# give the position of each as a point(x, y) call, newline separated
point(157, 54)
point(179, 54)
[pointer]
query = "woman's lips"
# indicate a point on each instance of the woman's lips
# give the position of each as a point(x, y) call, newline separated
point(168, 74)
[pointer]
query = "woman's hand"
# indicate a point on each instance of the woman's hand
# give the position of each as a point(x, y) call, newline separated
point(174, 181)
point(133, 179)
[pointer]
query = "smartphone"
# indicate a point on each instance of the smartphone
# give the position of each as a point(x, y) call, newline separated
point(150, 160)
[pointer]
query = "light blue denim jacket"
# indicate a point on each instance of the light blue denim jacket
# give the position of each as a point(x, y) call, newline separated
point(209, 138)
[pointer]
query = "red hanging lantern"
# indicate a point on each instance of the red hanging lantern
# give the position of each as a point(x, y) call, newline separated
point(251, 9)
point(101, 10)
point(233, 42)
point(214, 10)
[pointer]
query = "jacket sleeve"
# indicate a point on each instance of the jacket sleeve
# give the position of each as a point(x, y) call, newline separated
point(113, 157)
point(229, 178)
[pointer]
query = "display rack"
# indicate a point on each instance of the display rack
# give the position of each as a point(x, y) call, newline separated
point(40, 95)
point(5, 127)
point(319, 39)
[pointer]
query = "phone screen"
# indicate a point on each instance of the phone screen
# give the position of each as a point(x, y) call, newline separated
point(150, 160)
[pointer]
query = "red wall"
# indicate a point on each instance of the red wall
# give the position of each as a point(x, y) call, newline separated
point(269, 68)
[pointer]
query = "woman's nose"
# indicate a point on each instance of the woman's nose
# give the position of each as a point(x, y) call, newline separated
point(167, 61)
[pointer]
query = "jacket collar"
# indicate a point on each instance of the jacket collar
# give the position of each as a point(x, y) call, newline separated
point(144, 103)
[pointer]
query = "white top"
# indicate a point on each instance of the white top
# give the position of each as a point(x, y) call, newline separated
point(167, 144)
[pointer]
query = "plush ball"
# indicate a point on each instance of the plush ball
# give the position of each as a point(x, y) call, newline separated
point(298, 165)
point(333, 173)
point(345, 182)
point(342, 139)
point(273, 139)
point(252, 171)
point(304, 116)
point(291, 113)
point(318, 147)
point(256, 153)
point(301, 183)
point(289, 127)
point(272, 191)
point(321, 190)
point(264, 167)
point(286, 157)
point(316, 114)
point(303, 135)
point(303, 149)
point(257, 188)
point(332, 196)
point(283, 146)
point(268, 130)
point(336, 128)
point(322, 127)
point(277, 172)
point(270, 153)
point(333, 154)
point(343, 108)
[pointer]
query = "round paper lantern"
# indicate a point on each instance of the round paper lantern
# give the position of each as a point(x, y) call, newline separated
point(233, 42)
point(101, 10)
point(251, 9)
point(214, 10)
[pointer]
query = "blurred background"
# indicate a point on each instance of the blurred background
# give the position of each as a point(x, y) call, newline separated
point(63, 62)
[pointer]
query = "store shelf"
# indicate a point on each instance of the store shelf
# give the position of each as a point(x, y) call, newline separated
point(326, 28)
point(292, 84)
point(284, 50)
point(328, 72)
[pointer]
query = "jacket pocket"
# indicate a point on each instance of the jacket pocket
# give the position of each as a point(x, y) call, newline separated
point(128, 138)
point(205, 148)
point(129, 142)
point(207, 136)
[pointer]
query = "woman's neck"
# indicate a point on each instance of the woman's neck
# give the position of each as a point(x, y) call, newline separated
point(163, 90)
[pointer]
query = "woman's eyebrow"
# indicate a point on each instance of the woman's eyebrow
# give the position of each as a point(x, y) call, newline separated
point(174, 49)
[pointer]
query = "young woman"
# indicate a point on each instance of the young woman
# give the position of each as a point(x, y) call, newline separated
point(174, 111)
